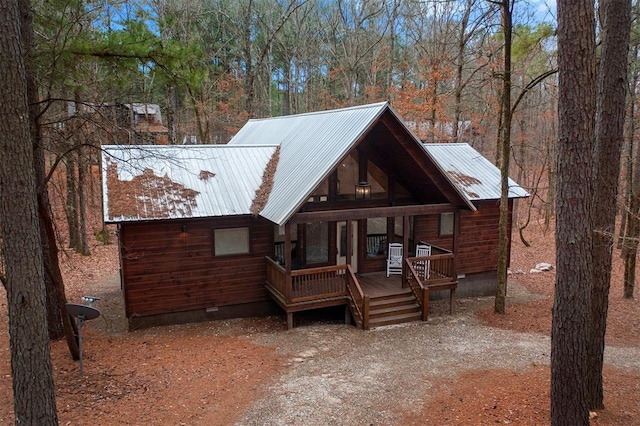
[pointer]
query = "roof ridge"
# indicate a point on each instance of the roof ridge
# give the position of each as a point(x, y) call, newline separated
point(445, 143)
point(118, 146)
point(328, 111)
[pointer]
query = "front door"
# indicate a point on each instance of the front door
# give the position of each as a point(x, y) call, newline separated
point(342, 245)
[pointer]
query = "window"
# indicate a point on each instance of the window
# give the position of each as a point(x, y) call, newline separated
point(317, 235)
point(230, 241)
point(376, 236)
point(446, 224)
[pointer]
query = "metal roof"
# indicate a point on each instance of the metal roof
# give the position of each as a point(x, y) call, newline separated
point(164, 182)
point(475, 176)
point(144, 109)
point(310, 147)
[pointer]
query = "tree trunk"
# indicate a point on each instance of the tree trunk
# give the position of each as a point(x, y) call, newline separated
point(499, 136)
point(549, 208)
point(462, 43)
point(71, 203)
point(33, 390)
point(630, 253)
point(630, 168)
point(609, 133)
point(82, 201)
point(630, 246)
point(249, 89)
point(630, 137)
point(59, 322)
point(54, 315)
point(576, 115)
point(503, 237)
point(171, 101)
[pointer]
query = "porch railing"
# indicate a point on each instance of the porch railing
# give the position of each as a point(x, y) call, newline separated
point(278, 249)
point(421, 293)
point(360, 303)
point(431, 273)
point(307, 284)
point(318, 283)
point(441, 268)
point(277, 277)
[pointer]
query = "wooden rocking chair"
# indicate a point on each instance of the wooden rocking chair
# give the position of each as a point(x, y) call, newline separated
point(394, 259)
point(423, 266)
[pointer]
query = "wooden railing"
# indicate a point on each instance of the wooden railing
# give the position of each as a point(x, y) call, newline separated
point(307, 284)
point(441, 268)
point(376, 244)
point(421, 293)
point(278, 249)
point(431, 273)
point(360, 302)
point(277, 277)
point(318, 283)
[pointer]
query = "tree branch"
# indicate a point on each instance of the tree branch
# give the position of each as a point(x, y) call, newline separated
point(533, 83)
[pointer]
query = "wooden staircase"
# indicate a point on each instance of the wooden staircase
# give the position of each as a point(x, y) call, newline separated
point(395, 308)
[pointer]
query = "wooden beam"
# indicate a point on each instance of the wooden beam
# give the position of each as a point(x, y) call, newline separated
point(287, 264)
point(355, 214)
point(456, 242)
point(349, 254)
point(289, 320)
point(405, 251)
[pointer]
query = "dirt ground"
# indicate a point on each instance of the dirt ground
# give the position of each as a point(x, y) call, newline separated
point(472, 368)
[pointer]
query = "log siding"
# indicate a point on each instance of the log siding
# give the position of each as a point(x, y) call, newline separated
point(477, 249)
point(166, 270)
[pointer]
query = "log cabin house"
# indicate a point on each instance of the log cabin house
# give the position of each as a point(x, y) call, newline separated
point(297, 213)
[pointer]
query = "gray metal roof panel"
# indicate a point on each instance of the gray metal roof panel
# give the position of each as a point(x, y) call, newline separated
point(473, 174)
point(168, 182)
point(310, 147)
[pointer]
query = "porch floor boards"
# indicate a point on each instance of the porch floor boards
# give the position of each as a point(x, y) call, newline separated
point(376, 284)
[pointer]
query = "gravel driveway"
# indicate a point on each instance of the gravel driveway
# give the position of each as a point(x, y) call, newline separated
point(342, 375)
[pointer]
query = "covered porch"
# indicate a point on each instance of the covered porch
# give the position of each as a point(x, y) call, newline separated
point(371, 299)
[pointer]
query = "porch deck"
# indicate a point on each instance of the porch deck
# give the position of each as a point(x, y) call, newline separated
point(376, 284)
point(361, 294)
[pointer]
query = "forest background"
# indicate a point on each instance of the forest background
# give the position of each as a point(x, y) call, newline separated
point(212, 65)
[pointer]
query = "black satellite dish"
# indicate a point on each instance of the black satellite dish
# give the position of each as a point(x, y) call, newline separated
point(82, 313)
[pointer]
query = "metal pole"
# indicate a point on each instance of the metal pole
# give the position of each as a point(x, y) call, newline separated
point(80, 321)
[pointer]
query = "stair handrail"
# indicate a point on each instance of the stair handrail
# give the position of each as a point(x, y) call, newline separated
point(360, 301)
point(420, 291)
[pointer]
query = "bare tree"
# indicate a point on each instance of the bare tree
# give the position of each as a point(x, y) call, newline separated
point(506, 10)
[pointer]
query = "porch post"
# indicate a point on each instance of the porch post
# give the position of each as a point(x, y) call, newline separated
point(287, 274)
point(405, 250)
point(349, 252)
point(390, 230)
point(287, 261)
point(456, 232)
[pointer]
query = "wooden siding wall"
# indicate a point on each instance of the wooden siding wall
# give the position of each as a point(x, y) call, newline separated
point(367, 264)
point(478, 239)
point(166, 270)
point(427, 229)
point(477, 249)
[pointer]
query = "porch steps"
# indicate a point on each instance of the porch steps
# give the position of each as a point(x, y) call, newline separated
point(394, 309)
